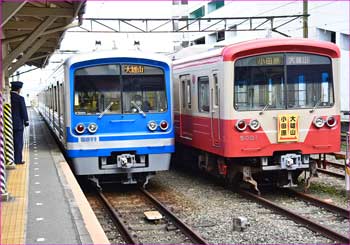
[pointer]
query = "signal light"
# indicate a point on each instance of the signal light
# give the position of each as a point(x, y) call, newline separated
point(319, 122)
point(254, 124)
point(164, 125)
point(331, 122)
point(80, 128)
point(241, 125)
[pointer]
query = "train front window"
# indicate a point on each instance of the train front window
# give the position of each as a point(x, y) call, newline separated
point(96, 88)
point(117, 89)
point(309, 81)
point(262, 82)
point(143, 89)
point(259, 83)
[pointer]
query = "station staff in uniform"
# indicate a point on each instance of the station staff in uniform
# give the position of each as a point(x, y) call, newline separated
point(19, 119)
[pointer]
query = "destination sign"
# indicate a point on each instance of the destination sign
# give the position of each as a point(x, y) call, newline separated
point(269, 60)
point(133, 69)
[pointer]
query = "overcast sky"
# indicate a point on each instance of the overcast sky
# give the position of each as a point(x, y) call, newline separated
point(85, 42)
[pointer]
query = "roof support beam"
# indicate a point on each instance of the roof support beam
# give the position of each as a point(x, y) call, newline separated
point(9, 9)
point(57, 12)
point(37, 45)
point(28, 41)
point(48, 32)
point(38, 57)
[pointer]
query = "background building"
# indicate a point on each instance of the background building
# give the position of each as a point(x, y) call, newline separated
point(328, 21)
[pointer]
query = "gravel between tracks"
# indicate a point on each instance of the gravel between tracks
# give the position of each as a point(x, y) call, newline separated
point(210, 208)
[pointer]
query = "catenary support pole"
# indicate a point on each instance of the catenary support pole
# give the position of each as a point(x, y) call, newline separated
point(347, 165)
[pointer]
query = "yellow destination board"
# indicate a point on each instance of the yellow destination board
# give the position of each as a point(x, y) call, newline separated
point(132, 69)
point(288, 128)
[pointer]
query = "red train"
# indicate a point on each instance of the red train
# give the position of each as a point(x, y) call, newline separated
point(258, 109)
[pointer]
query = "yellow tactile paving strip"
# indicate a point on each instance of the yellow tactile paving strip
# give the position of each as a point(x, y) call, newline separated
point(14, 212)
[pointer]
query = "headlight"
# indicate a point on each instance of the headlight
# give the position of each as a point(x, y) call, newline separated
point(80, 128)
point(331, 122)
point(92, 128)
point(254, 124)
point(152, 125)
point(319, 122)
point(241, 125)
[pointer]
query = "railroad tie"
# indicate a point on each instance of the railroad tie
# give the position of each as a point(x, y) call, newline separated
point(8, 133)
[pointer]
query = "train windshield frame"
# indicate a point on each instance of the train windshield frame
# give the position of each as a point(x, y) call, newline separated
point(124, 88)
point(283, 81)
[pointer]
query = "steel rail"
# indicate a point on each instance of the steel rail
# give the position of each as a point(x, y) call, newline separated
point(191, 234)
point(328, 206)
point(335, 174)
point(128, 237)
point(297, 218)
point(326, 162)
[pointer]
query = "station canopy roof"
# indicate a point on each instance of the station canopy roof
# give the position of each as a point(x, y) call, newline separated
point(33, 30)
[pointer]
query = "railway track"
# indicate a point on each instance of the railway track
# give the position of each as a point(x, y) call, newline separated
point(331, 173)
point(338, 169)
point(127, 211)
point(311, 223)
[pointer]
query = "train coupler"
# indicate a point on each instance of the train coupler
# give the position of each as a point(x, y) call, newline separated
point(248, 178)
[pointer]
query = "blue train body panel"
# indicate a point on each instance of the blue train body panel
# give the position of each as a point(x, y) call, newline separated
point(114, 112)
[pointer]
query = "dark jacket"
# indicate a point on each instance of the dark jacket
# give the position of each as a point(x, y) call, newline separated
point(19, 112)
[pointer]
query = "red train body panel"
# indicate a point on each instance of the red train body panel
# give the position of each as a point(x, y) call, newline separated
point(266, 104)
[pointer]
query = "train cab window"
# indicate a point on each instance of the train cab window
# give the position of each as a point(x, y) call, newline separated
point(309, 80)
point(282, 81)
point(143, 89)
point(259, 82)
point(97, 90)
point(203, 94)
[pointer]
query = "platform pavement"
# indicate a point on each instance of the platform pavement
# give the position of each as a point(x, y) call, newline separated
point(47, 205)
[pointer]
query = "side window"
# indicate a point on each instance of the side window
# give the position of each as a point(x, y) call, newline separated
point(203, 94)
point(61, 99)
point(216, 90)
point(186, 91)
point(183, 93)
point(55, 99)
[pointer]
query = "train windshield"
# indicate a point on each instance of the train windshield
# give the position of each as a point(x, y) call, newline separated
point(283, 81)
point(119, 88)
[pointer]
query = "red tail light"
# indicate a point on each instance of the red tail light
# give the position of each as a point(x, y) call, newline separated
point(241, 125)
point(80, 128)
point(164, 125)
point(331, 122)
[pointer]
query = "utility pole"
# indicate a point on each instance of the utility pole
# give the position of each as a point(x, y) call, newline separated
point(305, 19)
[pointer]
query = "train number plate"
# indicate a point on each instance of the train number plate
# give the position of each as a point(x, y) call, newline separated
point(288, 128)
point(88, 139)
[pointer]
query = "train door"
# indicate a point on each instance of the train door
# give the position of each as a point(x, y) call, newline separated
point(215, 108)
point(186, 107)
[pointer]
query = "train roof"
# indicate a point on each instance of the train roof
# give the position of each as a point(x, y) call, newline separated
point(260, 46)
point(105, 54)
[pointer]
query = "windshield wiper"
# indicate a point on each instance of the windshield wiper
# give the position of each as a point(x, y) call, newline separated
point(264, 109)
point(139, 109)
point(104, 112)
point(317, 104)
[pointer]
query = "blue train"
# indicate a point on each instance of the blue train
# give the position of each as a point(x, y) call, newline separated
point(112, 113)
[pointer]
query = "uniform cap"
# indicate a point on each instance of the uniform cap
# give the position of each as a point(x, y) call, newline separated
point(16, 85)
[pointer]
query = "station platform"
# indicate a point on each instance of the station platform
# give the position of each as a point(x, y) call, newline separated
point(46, 204)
